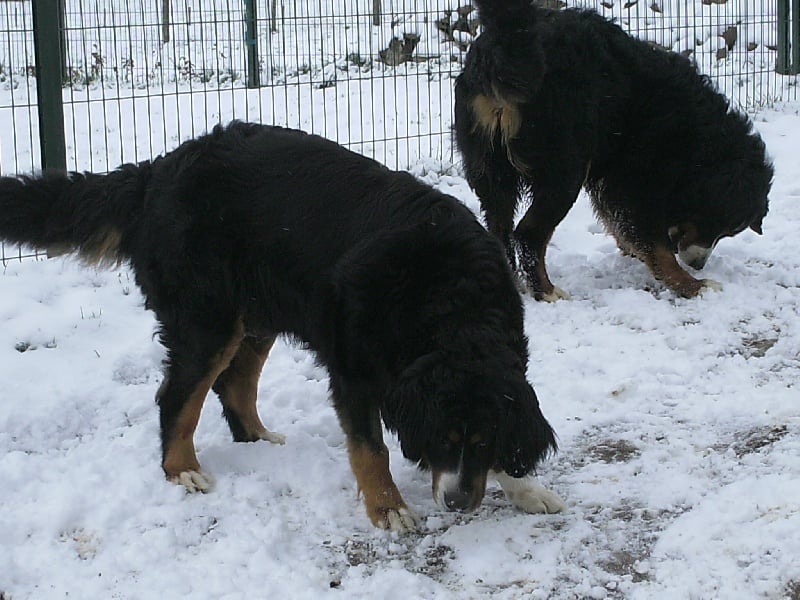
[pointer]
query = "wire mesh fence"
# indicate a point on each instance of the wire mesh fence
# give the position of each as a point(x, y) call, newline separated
point(131, 92)
point(140, 76)
point(736, 42)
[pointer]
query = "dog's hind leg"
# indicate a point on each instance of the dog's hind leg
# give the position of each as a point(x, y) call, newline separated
point(194, 365)
point(237, 387)
point(497, 189)
point(369, 458)
point(551, 203)
point(487, 167)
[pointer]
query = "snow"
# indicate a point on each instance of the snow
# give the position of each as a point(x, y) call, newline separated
point(677, 421)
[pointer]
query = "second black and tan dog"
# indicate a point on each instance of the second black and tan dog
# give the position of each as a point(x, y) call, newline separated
point(552, 101)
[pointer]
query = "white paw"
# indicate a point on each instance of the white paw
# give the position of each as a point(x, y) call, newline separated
point(529, 495)
point(710, 284)
point(193, 481)
point(556, 294)
point(272, 436)
point(400, 520)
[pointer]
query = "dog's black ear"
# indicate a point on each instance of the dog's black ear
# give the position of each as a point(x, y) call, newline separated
point(525, 437)
point(410, 407)
point(756, 226)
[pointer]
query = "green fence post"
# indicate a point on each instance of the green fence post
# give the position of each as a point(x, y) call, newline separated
point(795, 68)
point(376, 12)
point(788, 61)
point(49, 72)
point(251, 40)
point(782, 60)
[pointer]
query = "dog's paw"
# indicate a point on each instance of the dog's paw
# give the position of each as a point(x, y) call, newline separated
point(401, 520)
point(529, 495)
point(537, 501)
point(272, 437)
point(710, 285)
point(555, 295)
point(193, 481)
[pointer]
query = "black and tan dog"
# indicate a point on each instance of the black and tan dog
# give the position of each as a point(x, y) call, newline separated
point(552, 101)
point(255, 231)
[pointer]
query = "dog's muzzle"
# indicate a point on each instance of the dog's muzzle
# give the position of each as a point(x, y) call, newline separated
point(450, 493)
point(457, 500)
point(695, 256)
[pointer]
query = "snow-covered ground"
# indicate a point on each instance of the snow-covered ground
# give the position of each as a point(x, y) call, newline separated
point(678, 420)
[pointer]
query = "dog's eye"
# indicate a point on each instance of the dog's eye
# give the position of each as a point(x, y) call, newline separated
point(478, 442)
point(443, 442)
point(452, 438)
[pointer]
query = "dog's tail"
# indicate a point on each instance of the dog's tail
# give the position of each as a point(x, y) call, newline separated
point(83, 213)
point(505, 15)
point(505, 67)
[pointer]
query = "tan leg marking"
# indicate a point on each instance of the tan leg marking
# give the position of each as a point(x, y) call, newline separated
point(549, 292)
point(385, 506)
point(662, 263)
point(180, 460)
point(241, 388)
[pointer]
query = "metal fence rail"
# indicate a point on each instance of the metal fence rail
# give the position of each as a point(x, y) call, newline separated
point(137, 77)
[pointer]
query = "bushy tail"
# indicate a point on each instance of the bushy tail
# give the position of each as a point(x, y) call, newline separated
point(64, 213)
point(504, 69)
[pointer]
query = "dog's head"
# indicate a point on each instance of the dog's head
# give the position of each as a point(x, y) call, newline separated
point(726, 197)
point(460, 424)
point(695, 240)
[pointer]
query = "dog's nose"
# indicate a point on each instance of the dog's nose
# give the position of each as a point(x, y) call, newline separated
point(695, 256)
point(698, 264)
point(457, 500)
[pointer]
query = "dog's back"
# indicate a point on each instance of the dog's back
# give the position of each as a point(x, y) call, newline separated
point(230, 204)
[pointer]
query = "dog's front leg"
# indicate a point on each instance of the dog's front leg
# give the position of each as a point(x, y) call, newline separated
point(527, 494)
point(664, 266)
point(385, 506)
point(360, 418)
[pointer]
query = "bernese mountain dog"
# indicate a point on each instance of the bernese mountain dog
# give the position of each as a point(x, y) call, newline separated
point(254, 231)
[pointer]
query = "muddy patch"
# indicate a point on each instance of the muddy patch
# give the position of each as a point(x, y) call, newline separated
point(757, 347)
point(426, 557)
point(613, 451)
point(755, 440)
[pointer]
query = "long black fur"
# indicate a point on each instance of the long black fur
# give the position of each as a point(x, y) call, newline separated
point(402, 295)
point(651, 138)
